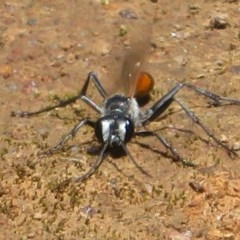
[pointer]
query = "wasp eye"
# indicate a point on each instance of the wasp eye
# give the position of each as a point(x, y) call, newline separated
point(99, 130)
point(129, 130)
point(103, 128)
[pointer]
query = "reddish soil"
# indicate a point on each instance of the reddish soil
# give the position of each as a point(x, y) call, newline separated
point(47, 49)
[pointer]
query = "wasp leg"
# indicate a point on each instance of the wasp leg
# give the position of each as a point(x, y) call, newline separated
point(70, 135)
point(217, 100)
point(168, 146)
point(46, 109)
point(160, 106)
point(163, 103)
point(82, 95)
point(63, 103)
point(196, 120)
point(133, 161)
point(92, 76)
point(85, 176)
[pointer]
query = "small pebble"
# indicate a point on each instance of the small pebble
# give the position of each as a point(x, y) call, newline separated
point(128, 13)
point(193, 8)
point(235, 69)
point(12, 87)
point(31, 235)
point(236, 146)
point(197, 187)
point(224, 138)
point(149, 188)
point(87, 212)
point(123, 30)
point(5, 71)
point(31, 21)
point(37, 216)
point(219, 21)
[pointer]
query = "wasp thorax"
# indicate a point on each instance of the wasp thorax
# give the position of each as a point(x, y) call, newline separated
point(117, 104)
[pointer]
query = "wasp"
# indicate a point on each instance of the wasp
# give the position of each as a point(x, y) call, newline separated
point(121, 117)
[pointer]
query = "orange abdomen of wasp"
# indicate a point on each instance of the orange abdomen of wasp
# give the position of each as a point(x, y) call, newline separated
point(144, 85)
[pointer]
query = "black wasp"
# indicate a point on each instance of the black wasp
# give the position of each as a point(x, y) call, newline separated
point(120, 115)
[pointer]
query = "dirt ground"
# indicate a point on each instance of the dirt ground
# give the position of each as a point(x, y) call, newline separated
point(47, 49)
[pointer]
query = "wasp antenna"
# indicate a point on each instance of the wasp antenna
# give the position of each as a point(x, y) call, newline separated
point(132, 159)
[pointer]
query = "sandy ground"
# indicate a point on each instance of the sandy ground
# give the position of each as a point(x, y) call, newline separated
point(47, 49)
